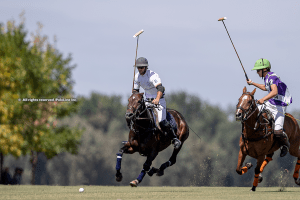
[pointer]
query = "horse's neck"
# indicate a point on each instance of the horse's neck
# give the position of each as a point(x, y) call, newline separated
point(250, 123)
point(143, 122)
point(144, 114)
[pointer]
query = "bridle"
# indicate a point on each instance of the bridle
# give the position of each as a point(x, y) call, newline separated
point(247, 116)
point(133, 126)
point(245, 113)
point(139, 111)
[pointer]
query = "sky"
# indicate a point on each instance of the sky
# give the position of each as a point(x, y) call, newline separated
point(183, 41)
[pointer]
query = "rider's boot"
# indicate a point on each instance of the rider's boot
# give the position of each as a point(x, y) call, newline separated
point(283, 140)
point(166, 127)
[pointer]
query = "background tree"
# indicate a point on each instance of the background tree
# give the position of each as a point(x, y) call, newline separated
point(45, 80)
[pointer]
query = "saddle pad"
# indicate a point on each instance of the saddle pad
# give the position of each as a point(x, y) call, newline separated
point(169, 118)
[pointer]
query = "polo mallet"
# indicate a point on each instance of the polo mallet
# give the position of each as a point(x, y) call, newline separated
point(222, 19)
point(137, 44)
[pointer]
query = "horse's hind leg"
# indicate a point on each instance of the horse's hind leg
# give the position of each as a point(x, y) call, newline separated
point(146, 168)
point(294, 151)
point(264, 164)
point(172, 161)
point(296, 172)
point(260, 160)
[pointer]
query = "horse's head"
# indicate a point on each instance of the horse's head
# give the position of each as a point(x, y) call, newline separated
point(245, 105)
point(135, 103)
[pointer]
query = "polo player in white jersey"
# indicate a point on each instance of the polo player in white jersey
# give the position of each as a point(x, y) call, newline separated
point(154, 91)
point(276, 101)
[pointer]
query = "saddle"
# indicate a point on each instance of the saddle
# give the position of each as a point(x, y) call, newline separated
point(153, 115)
point(267, 120)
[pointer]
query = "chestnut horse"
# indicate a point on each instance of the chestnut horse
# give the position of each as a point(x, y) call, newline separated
point(258, 140)
point(147, 139)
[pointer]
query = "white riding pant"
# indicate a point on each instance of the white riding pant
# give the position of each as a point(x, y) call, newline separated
point(278, 113)
point(161, 110)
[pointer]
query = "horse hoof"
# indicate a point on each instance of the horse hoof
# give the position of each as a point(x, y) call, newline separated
point(260, 178)
point(253, 189)
point(248, 165)
point(119, 177)
point(152, 171)
point(134, 183)
point(297, 181)
point(160, 173)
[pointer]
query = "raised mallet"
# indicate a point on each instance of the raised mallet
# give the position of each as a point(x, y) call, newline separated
point(222, 19)
point(137, 44)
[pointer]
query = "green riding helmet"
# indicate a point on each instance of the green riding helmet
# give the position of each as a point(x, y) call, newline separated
point(262, 64)
point(141, 62)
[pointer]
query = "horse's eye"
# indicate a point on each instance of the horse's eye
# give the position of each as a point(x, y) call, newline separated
point(249, 101)
point(139, 101)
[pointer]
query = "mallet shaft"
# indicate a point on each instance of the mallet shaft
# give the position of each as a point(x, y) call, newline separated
point(222, 19)
point(137, 45)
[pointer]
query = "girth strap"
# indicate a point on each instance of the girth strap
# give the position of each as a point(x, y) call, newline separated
point(255, 139)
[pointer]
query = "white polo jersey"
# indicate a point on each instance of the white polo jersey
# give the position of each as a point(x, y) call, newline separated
point(148, 81)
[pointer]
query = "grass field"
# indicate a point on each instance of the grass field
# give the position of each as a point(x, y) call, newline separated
point(123, 193)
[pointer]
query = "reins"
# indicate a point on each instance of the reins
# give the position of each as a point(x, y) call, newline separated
point(247, 116)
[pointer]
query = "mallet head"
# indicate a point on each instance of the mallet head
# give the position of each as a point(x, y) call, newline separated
point(138, 33)
point(223, 18)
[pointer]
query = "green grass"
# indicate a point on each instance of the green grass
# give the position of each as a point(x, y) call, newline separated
point(123, 193)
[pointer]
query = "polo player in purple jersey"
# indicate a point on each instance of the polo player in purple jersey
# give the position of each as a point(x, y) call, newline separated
point(277, 100)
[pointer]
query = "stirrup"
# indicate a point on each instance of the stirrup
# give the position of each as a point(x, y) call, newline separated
point(176, 142)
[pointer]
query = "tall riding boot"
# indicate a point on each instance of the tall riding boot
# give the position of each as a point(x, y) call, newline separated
point(284, 142)
point(166, 127)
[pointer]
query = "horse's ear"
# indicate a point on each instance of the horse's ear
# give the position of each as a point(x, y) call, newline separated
point(253, 92)
point(245, 90)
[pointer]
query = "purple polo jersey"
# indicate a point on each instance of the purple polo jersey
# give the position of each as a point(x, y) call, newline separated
point(284, 98)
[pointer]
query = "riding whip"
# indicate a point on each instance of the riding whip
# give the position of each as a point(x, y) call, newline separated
point(137, 44)
point(222, 19)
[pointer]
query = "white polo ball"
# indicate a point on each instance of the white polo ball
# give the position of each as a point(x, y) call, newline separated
point(81, 190)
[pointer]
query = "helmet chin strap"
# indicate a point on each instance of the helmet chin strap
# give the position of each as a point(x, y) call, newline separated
point(262, 75)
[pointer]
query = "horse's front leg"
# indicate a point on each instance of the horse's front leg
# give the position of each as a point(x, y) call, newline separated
point(259, 163)
point(146, 168)
point(125, 149)
point(241, 170)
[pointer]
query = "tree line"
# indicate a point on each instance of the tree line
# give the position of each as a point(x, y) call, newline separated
point(206, 161)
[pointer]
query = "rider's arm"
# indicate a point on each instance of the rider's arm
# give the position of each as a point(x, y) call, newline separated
point(160, 90)
point(260, 86)
point(136, 84)
point(273, 93)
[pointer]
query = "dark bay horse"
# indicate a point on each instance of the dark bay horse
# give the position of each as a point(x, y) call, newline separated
point(146, 139)
point(258, 139)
